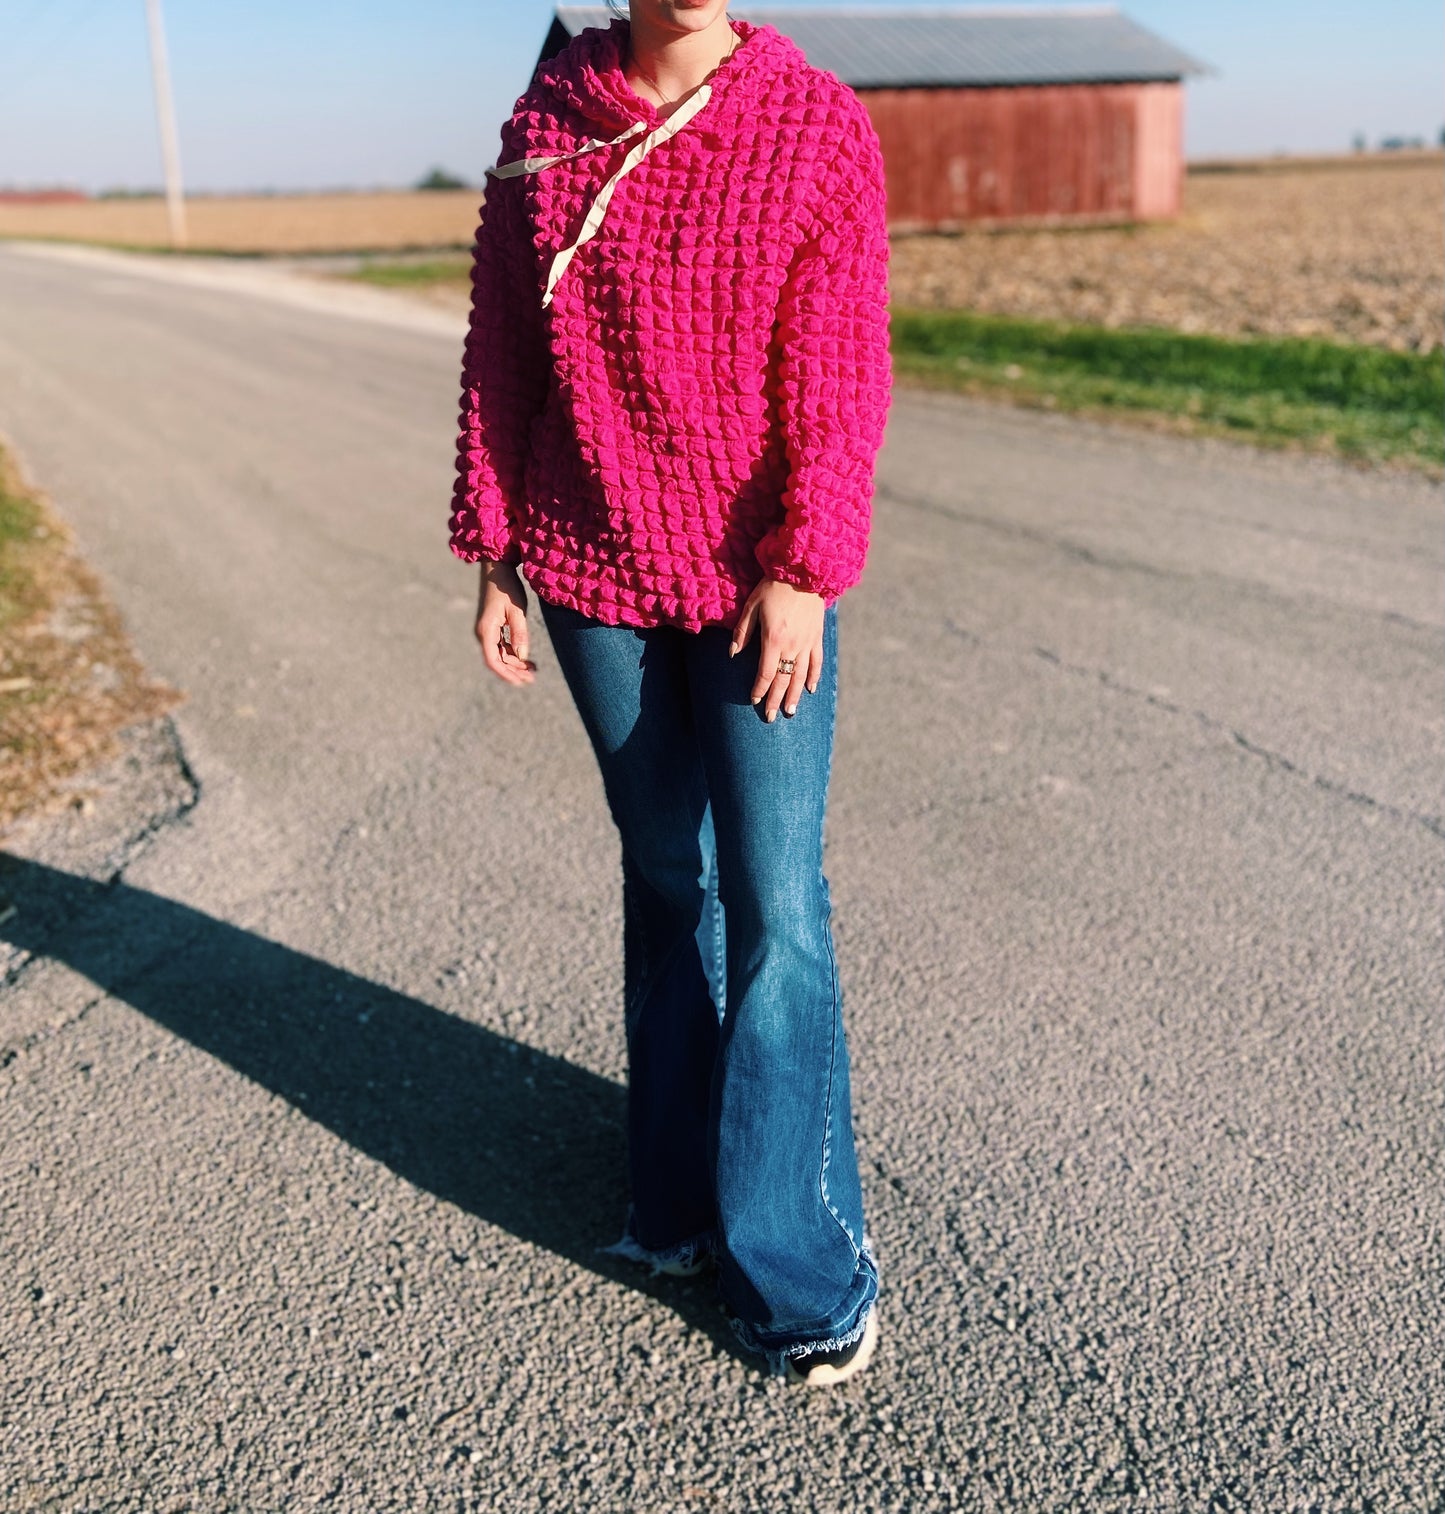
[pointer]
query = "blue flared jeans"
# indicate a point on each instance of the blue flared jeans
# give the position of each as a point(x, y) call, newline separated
point(740, 1137)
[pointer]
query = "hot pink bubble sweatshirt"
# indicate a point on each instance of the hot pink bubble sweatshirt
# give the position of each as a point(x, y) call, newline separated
point(676, 377)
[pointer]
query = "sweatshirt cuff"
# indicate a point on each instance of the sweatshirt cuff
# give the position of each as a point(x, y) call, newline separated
point(473, 546)
point(803, 578)
point(783, 556)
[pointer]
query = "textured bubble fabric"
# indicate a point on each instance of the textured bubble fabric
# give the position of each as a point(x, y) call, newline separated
point(701, 398)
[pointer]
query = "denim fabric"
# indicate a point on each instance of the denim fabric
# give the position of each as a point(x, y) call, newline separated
point(739, 1127)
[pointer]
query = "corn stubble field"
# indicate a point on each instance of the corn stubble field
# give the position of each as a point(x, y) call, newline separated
point(1344, 248)
point(1349, 251)
point(263, 223)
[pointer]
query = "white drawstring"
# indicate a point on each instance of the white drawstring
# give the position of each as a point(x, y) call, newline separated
point(534, 165)
point(598, 209)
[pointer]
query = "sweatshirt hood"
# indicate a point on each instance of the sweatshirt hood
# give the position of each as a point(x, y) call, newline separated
point(587, 75)
point(586, 78)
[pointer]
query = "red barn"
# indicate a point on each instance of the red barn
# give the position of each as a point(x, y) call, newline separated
point(42, 197)
point(1058, 113)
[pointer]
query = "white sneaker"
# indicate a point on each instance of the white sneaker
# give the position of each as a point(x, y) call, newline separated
point(685, 1266)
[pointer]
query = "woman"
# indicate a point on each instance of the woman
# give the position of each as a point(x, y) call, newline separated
point(674, 391)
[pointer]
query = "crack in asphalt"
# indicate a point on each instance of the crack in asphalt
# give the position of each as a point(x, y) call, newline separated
point(134, 847)
point(14, 1050)
point(1294, 533)
point(1435, 824)
point(1019, 532)
point(142, 841)
point(117, 990)
point(1091, 557)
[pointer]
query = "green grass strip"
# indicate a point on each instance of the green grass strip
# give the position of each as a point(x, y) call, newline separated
point(407, 275)
point(1362, 402)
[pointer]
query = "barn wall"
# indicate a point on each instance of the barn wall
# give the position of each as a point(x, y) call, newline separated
point(1026, 153)
point(1158, 176)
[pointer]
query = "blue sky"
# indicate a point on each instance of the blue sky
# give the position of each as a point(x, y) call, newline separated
point(291, 94)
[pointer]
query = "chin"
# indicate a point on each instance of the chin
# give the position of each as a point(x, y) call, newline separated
point(683, 15)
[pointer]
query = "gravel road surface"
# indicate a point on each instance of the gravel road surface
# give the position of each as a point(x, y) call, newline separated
point(311, 1106)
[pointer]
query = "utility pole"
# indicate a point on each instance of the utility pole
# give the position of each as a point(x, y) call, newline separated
point(166, 120)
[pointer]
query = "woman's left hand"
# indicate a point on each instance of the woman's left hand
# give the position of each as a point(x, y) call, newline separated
point(791, 622)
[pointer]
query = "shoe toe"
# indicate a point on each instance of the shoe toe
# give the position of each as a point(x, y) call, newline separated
point(827, 1374)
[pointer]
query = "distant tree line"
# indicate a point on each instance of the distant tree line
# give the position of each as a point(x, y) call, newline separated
point(1395, 144)
point(439, 178)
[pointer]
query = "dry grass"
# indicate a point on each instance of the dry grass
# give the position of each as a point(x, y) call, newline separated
point(264, 223)
point(69, 679)
point(1347, 250)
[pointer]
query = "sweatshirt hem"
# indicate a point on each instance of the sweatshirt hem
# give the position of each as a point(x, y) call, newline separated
point(608, 601)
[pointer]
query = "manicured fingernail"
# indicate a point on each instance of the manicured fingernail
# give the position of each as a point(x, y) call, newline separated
point(733, 650)
point(772, 716)
point(792, 709)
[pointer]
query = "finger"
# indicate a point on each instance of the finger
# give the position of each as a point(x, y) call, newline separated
point(780, 684)
point(516, 649)
point(797, 686)
point(776, 694)
point(520, 668)
point(494, 655)
point(486, 629)
point(768, 654)
point(494, 650)
point(743, 630)
point(490, 640)
point(815, 667)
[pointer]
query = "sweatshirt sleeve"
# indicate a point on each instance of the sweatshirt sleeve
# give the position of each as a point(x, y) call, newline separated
point(504, 380)
point(834, 379)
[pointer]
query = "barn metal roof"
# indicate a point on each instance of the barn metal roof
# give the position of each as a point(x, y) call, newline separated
point(882, 46)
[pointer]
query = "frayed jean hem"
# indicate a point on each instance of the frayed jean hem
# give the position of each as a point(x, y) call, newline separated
point(777, 1352)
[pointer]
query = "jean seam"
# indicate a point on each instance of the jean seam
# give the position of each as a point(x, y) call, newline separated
point(719, 953)
point(632, 1012)
point(836, 1030)
point(837, 1017)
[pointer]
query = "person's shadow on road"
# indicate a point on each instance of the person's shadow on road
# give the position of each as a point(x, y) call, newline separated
point(519, 1138)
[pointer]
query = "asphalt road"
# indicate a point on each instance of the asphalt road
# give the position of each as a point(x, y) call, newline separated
point(310, 1127)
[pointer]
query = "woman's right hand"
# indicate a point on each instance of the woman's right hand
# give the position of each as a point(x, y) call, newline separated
point(502, 605)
